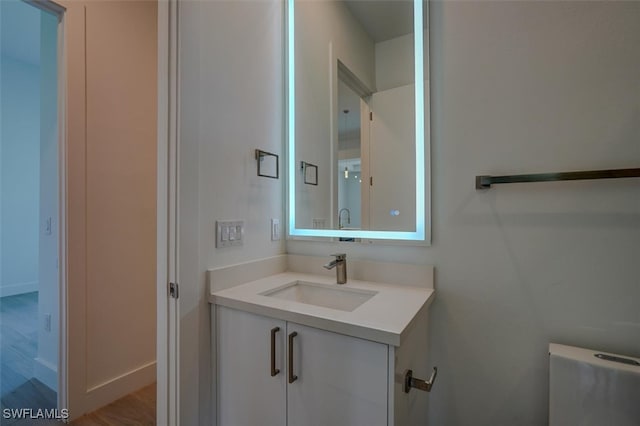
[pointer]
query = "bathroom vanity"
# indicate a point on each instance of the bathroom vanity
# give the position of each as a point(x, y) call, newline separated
point(298, 349)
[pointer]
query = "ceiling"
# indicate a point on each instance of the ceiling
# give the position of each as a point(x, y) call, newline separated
point(20, 31)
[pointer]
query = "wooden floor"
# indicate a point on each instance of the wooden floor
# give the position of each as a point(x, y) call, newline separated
point(135, 409)
point(18, 388)
point(18, 341)
point(18, 349)
point(138, 408)
point(32, 394)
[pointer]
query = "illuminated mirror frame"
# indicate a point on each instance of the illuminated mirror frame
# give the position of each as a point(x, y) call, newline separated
point(420, 234)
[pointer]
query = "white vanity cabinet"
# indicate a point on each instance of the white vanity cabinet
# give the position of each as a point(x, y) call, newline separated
point(296, 349)
point(335, 379)
point(321, 378)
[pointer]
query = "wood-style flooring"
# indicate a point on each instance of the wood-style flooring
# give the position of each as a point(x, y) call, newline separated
point(31, 394)
point(18, 349)
point(18, 340)
point(135, 409)
point(18, 388)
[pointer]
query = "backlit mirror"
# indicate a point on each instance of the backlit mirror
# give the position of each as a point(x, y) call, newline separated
point(357, 108)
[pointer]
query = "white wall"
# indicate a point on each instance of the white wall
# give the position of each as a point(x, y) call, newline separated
point(394, 62)
point(325, 31)
point(29, 168)
point(526, 87)
point(231, 91)
point(392, 160)
point(19, 147)
point(20, 175)
point(48, 272)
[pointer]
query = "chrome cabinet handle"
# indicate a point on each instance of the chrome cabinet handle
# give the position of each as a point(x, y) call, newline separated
point(274, 370)
point(292, 377)
point(423, 385)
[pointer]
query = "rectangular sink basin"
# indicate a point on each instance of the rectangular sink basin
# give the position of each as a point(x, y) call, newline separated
point(340, 298)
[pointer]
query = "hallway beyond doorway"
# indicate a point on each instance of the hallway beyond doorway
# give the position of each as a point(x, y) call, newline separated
point(18, 350)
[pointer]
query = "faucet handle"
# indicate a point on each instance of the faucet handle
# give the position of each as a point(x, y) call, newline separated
point(339, 256)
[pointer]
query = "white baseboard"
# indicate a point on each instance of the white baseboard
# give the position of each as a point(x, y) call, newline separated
point(98, 396)
point(18, 288)
point(46, 372)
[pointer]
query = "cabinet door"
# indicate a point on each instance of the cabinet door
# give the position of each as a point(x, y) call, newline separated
point(342, 381)
point(247, 393)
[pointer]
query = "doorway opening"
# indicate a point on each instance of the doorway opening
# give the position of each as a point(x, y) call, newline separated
point(30, 268)
point(349, 158)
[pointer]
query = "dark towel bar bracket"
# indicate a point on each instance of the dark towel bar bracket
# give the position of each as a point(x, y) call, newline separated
point(485, 182)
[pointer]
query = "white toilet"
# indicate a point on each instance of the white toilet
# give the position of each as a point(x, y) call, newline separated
point(591, 388)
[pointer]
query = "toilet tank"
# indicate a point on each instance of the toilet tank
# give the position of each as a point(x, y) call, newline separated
point(592, 388)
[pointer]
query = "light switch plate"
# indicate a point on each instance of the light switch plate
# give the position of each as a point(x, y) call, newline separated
point(229, 233)
point(275, 229)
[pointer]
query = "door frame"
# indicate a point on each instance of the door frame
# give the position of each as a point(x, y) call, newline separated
point(59, 11)
point(168, 314)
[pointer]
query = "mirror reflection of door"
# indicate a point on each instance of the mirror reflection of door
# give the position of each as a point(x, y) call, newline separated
point(349, 158)
point(352, 119)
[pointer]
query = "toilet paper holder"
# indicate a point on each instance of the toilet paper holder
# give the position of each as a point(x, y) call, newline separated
point(423, 385)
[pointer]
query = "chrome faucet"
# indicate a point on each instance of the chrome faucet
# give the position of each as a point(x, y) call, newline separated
point(340, 263)
point(340, 218)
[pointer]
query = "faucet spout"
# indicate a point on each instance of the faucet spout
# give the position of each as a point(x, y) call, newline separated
point(340, 263)
point(331, 264)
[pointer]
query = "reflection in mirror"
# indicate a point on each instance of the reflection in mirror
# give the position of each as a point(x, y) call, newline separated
point(310, 172)
point(356, 91)
point(349, 158)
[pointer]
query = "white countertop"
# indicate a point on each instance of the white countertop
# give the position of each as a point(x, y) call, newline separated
point(384, 318)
